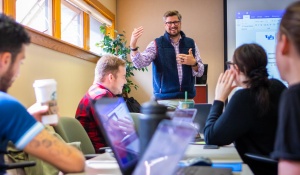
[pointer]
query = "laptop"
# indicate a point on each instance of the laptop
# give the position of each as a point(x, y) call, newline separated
point(203, 110)
point(163, 153)
point(184, 115)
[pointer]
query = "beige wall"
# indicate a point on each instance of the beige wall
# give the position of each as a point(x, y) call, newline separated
point(73, 75)
point(110, 5)
point(202, 20)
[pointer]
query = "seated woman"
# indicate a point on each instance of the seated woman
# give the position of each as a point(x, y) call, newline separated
point(250, 118)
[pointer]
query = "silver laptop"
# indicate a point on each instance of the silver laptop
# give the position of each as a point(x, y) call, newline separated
point(165, 149)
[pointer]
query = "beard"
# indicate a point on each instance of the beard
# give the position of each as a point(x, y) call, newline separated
point(6, 80)
point(171, 34)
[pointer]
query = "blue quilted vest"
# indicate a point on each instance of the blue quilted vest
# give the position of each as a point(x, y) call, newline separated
point(165, 74)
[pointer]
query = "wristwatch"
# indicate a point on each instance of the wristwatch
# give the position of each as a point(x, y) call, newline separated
point(196, 64)
point(134, 49)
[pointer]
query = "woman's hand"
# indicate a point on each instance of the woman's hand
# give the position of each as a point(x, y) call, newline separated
point(224, 85)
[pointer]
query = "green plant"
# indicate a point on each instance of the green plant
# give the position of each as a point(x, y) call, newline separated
point(118, 47)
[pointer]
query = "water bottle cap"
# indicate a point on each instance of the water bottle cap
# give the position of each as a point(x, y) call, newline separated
point(152, 107)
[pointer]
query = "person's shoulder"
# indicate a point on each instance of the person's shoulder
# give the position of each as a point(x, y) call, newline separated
point(7, 100)
point(276, 82)
point(242, 94)
point(160, 37)
point(97, 91)
point(293, 91)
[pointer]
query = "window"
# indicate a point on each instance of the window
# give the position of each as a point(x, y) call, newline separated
point(71, 24)
point(95, 35)
point(50, 22)
point(35, 14)
point(1, 8)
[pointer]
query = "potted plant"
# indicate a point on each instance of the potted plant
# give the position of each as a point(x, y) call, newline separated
point(117, 46)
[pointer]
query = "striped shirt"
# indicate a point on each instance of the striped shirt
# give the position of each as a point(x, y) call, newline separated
point(143, 59)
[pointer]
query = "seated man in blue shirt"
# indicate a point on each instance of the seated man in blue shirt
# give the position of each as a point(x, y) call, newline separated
point(18, 125)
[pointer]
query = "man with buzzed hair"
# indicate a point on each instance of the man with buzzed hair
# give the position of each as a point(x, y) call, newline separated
point(110, 77)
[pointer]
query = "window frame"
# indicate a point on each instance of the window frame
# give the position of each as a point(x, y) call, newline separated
point(54, 42)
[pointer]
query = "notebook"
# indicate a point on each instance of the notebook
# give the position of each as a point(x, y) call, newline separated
point(164, 151)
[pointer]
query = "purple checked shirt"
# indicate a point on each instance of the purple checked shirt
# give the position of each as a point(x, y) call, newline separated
point(143, 59)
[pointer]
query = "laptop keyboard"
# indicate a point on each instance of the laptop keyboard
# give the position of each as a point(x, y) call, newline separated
point(202, 170)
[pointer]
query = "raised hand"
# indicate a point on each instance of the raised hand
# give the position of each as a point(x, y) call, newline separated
point(224, 85)
point(136, 34)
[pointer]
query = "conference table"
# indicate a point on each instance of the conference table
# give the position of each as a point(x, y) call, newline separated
point(105, 164)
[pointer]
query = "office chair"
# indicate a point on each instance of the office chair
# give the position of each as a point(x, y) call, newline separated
point(135, 117)
point(12, 167)
point(261, 164)
point(71, 130)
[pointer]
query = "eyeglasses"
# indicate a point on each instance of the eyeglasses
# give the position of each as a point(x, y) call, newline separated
point(176, 23)
point(229, 63)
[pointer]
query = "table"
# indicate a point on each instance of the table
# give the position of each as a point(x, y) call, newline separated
point(223, 154)
point(105, 164)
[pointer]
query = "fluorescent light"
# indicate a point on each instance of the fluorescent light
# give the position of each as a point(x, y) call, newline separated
point(91, 11)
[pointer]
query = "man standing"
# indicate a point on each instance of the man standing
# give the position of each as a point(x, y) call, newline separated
point(110, 77)
point(18, 125)
point(176, 60)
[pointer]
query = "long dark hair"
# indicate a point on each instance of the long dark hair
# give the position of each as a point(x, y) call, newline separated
point(251, 59)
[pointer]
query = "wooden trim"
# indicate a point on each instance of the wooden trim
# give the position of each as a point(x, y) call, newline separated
point(61, 46)
point(101, 8)
point(54, 42)
point(56, 20)
point(104, 11)
point(9, 8)
point(86, 32)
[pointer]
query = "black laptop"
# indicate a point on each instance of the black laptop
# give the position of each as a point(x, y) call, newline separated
point(203, 110)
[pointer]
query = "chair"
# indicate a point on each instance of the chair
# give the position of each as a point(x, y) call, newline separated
point(12, 167)
point(135, 118)
point(71, 130)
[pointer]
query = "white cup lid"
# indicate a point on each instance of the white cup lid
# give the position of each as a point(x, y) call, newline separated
point(44, 82)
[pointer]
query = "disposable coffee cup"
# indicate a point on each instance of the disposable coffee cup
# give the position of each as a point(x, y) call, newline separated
point(45, 93)
point(186, 104)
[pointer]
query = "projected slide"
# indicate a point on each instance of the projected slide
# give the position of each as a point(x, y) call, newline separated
point(260, 27)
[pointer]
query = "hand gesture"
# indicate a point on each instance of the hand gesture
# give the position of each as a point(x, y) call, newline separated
point(136, 34)
point(225, 85)
point(187, 59)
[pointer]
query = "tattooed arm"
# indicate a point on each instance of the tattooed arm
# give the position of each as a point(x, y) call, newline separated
point(48, 148)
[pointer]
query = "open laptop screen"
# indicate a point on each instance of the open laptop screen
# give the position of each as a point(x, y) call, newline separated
point(117, 126)
point(184, 115)
point(166, 148)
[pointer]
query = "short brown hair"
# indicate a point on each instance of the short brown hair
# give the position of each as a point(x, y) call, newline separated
point(107, 64)
point(172, 13)
point(290, 24)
